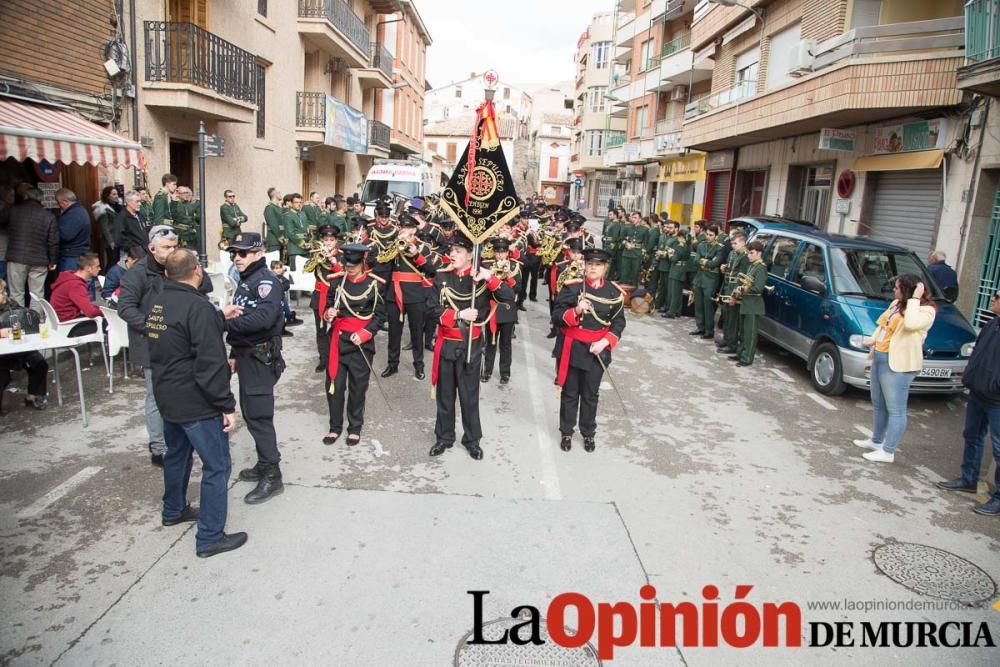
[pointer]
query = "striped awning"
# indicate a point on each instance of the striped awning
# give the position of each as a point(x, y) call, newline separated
point(41, 133)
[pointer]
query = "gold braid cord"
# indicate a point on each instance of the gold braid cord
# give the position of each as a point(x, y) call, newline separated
point(453, 299)
point(346, 299)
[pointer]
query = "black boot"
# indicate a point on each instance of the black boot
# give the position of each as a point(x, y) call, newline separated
point(588, 443)
point(250, 474)
point(566, 443)
point(269, 485)
point(390, 370)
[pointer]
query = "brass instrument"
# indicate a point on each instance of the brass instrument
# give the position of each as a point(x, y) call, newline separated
point(390, 252)
point(745, 282)
point(550, 248)
point(573, 272)
point(502, 269)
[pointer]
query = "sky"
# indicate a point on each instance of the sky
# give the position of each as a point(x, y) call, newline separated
point(525, 41)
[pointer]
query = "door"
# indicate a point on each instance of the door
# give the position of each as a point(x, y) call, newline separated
point(188, 11)
point(718, 197)
point(780, 258)
point(989, 279)
point(749, 198)
point(181, 163)
point(605, 193)
point(814, 202)
point(806, 312)
point(905, 209)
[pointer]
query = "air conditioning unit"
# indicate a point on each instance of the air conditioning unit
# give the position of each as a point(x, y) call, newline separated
point(801, 59)
point(679, 94)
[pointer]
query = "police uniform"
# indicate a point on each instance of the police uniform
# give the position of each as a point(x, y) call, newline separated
point(411, 279)
point(451, 373)
point(579, 372)
point(360, 310)
point(502, 333)
point(255, 338)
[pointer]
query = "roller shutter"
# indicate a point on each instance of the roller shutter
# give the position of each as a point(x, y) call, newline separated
point(906, 208)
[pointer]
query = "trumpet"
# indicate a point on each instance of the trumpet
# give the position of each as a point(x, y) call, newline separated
point(501, 269)
point(573, 272)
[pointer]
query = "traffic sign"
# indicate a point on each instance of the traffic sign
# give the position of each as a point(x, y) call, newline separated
point(578, 181)
point(215, 146)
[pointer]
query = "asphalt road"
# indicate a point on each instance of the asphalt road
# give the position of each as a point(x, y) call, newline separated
point(715, 475)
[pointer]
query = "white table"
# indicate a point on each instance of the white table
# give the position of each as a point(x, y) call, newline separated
point(35, 343)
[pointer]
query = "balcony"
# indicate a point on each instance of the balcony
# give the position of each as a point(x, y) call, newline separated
point(668, 125)
point(379, 73)
point(981, 72)
point(866, 75)
point(332, 27)
point(189, 69)
point(350, 130)
point(379, 138)
point(613, 139)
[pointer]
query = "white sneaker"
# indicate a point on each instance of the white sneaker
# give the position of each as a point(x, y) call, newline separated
point(880, 456)
point(867, 443)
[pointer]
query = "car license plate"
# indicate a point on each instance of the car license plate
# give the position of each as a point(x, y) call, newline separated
point(935, 373)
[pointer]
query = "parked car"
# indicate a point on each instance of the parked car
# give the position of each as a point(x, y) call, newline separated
point(828, 291)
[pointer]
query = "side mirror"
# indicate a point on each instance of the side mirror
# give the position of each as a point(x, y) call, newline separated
point(814, 284)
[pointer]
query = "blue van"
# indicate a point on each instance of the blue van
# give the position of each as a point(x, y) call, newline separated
point(828, 291)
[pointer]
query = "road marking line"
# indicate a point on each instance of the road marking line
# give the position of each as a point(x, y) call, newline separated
point(55, 494)
point(822, 401)
point(867, 432)
point(784, 376)
point(550, 475)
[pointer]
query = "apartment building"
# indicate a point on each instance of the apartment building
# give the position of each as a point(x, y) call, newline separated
point(594, 131)
point(462, 97)
point(553, 140)
point(403, 102)
point(449, 137)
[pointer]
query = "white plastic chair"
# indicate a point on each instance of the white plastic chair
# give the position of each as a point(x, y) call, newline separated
point(61, 329)
point(272, 256)
point(219, 293)
point(117, 342)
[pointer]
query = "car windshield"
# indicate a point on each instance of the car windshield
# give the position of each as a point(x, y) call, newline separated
point(376, 189)
point(870, 273)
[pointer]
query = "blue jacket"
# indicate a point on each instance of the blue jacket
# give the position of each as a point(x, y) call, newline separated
point(943, 275)
point(112, 280)
point(74, 231)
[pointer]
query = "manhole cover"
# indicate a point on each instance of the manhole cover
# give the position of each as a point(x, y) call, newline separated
point(934, 572)
point(548, 654)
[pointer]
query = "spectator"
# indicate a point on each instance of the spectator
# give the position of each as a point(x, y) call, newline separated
point(69, 294)
point(33, 362)
point(943, 275)
point(140, 286)
point(145, 206)
point(191, 383)
point(74, 233)
point(897, 357)
point(32, 248)
point(105, 213)
point(982, 412)
point(113, 278)
point(6, 201)
point(131, 230)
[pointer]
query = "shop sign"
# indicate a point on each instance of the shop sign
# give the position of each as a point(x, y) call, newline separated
point(720, 160)
point(831, 139)
point(918, 135)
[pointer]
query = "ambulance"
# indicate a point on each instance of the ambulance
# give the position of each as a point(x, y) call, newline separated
point(407, 178)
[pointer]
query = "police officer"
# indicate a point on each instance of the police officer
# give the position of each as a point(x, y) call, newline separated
point(254, 322)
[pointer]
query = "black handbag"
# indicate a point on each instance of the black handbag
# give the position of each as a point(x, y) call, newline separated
point(30, 320)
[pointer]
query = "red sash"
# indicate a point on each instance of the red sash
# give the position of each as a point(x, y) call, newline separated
point(348, 324)
point(448, 333)
point(323, 290)
point(405, 277)
point(571, 334)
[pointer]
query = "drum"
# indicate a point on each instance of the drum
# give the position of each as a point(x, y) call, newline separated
point(626, 292)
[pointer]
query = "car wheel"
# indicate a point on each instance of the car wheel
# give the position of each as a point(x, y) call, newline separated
point(826, 371)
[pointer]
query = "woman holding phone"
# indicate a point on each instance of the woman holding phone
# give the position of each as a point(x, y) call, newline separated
point(897, 358)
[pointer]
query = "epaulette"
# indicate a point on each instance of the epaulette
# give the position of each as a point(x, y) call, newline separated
point(618, 287)
point(379, 279)
point(575, 281)
point(334, 276)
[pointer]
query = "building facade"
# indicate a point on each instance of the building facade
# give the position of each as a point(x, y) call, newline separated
point(553, 142)
point(403, 102)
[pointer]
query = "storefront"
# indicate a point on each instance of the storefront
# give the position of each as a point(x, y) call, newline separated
point(682, 188)
point(719, 185)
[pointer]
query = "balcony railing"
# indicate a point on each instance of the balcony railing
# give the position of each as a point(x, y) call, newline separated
point(673, 46)
point(982, 30)
point(619, 82)
point(186, 53)
point(668, 125)
point(340, 14)
point(310, 109)
point(613, 139)
point(379, 134)
point(740, 91)
point(382, 59)
point(934, 35)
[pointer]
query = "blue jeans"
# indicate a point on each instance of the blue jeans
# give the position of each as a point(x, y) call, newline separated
point(212, 445)
point(286, 307)
point(978, 418)
point(889, 393)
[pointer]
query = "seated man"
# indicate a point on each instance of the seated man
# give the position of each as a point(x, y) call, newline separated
point(113, 278)
point(69, 294)
point(33, 362)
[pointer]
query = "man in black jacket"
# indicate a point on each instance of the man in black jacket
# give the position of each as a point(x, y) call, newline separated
point(130, 226)
point(191, 385)
point(32, 246)
point(139, 288)
point(982, 412)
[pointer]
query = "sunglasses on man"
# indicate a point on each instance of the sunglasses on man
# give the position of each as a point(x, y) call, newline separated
point(242, 253)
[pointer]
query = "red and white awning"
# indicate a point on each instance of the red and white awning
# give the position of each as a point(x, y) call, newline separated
point(44, 133)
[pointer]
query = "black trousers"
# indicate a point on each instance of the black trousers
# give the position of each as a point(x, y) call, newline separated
point(37, 369)
point(322, 338)
point(430, 330)
point(455, 376)
point(579, 395)
point(505, 334)
point(349, 388)
point(529, 279)
point(415, 318)
point(257, 404)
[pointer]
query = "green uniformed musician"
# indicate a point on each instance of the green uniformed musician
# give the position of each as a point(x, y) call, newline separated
point(312, 209)
point(274, 220)
point(706, 283)
point(751, 292)
point(232, 218)
point(296, 229)
point(649, 248)
point(736, 264)
point(186, 214)
point(162, 200)
point(666, 248)
point(697, 236)
point(678, 274)
point(631, 237)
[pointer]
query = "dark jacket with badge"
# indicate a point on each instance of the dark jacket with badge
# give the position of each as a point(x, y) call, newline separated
point(261, 296)
point(140, 287)
point(187, 356)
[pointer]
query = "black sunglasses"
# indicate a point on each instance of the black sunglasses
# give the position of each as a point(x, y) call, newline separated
point(241, 253)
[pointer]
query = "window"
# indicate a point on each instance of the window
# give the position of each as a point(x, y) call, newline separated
point(452, 154)
point(646, 55)
point(640, 120)
point(601, 52)
point(811, 263)
point(596, 101)
point(262, 8)
point(779, 260)
point(782, 55)
point(870, 272)
point(865, 13)
point(747, 69)
point(432, 146)
point(506, 93)
point(458, 92)
point(553, 168)
point(595, 143)
point(261, 88)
